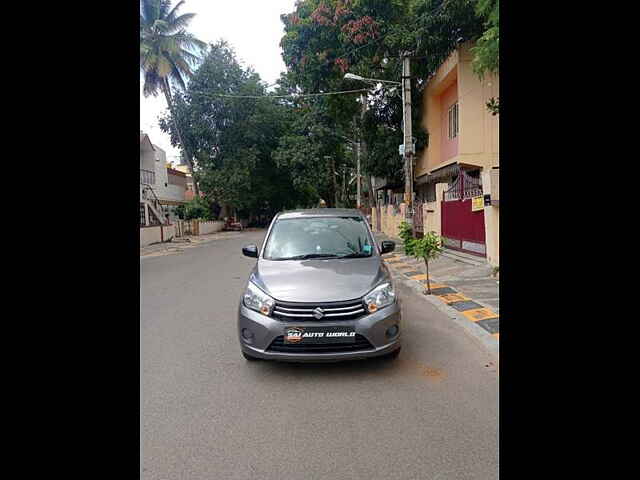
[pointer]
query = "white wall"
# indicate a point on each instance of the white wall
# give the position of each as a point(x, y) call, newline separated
point(210, 227)
point(149, 235)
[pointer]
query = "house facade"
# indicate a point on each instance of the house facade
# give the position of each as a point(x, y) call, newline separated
point(162, 188)
point(457, 174)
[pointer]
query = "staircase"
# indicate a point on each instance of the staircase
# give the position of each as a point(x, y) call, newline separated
point(150, 198)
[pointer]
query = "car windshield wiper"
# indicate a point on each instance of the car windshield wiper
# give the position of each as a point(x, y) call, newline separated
point(309, 255)
point(355, 255)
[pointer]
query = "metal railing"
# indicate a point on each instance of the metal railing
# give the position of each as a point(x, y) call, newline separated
point(147, 177)
point(464, 187)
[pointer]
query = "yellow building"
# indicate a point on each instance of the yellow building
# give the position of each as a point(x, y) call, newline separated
point(456, 175)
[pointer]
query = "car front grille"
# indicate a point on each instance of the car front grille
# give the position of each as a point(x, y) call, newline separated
point(278, 345)
point(348, 310)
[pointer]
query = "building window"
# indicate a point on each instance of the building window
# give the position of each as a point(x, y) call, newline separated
point(453, 121)
point(143, 220)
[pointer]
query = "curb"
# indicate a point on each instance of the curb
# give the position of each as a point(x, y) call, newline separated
point(478, 334)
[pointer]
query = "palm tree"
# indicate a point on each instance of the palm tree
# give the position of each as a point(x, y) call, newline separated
point(166, 55)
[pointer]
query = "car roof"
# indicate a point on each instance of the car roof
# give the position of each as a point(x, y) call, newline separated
point(320, 212)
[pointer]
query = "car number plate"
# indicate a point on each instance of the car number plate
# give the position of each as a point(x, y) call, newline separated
point(327, 334)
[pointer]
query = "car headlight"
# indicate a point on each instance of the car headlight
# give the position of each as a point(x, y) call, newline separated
point(380, 297)
point(257, 300)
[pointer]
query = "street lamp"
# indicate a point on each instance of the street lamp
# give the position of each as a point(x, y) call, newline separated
point(406, 114)
point(351, 76)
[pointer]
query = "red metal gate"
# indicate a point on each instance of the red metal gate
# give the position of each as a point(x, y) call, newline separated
point(463, 229)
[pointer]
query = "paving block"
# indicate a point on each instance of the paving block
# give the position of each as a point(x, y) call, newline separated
point(491, 325)
point(392, 259)
point(411, 273)
point(454, 297)
point(419, 277)
point(478, 314)
point(438, 289)
point(466, 305)
point(402, 266)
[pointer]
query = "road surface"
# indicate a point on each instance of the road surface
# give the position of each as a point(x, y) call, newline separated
point(207, 413)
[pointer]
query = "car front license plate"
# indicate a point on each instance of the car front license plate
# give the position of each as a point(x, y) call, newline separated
point(306, 335)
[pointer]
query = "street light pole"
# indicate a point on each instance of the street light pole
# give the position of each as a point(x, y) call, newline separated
point(362, 101)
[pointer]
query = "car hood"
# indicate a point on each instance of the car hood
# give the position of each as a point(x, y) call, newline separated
point(319, 280)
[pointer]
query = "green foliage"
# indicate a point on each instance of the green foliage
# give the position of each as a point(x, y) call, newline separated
point(197, 209)
point(406, 234)
point(166, 48)
point(493, 105)
point(180, 211)
point(428, 247)
point(167, 55)
point(234, 139)
point(324, 39)
point(487, 49)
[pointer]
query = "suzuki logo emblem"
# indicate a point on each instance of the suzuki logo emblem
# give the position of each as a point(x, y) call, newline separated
point(318, 313)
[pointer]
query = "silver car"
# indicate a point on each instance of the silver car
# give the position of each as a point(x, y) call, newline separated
point(319, 291)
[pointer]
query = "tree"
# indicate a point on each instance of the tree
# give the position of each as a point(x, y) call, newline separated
point(427, 248)
point(487, 49)
point(166, 54)
point(234, 137)
point(324, 39)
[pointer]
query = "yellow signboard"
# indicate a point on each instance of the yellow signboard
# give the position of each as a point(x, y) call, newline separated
point(477, 203)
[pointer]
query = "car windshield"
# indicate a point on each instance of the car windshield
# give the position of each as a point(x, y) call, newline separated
point(318, 237)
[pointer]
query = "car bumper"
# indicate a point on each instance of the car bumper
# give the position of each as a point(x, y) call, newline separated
point(372, 326)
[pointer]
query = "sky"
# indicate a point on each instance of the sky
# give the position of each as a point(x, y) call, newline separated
point(252, 27)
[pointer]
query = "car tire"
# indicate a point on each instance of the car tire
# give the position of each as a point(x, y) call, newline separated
point(393, 355)
point(249, 357)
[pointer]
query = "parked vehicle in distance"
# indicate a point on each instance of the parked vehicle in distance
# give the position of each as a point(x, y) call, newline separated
point(320, 291)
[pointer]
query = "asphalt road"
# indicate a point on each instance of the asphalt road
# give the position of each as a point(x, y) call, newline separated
point(209, 414)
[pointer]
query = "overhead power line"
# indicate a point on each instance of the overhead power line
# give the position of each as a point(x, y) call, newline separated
point(292, 95)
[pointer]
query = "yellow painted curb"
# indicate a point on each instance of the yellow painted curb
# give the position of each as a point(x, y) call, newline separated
point(434, 286)
point(403, 266)
point(453, 297)
point(478, 314)
point(392, 259)
point(421, 276)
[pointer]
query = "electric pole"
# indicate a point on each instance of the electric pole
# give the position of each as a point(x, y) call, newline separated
point(408, 137)
point(362, 101)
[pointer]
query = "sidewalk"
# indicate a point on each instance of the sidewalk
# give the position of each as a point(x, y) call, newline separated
point(177, 245)
point(464, 283)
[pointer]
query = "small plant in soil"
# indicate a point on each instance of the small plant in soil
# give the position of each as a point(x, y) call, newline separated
point(427, 248)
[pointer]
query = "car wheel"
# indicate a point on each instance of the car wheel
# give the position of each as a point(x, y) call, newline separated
point(393, 355)
point(249, 357)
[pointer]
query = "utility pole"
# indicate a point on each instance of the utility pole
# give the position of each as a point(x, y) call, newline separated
point(362, 101)
point(408, 137)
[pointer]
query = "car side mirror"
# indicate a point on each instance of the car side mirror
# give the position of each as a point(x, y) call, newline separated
point(388, 246)
point(250, 251)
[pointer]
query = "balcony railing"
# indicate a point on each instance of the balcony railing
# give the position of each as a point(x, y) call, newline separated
point(147, 177)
